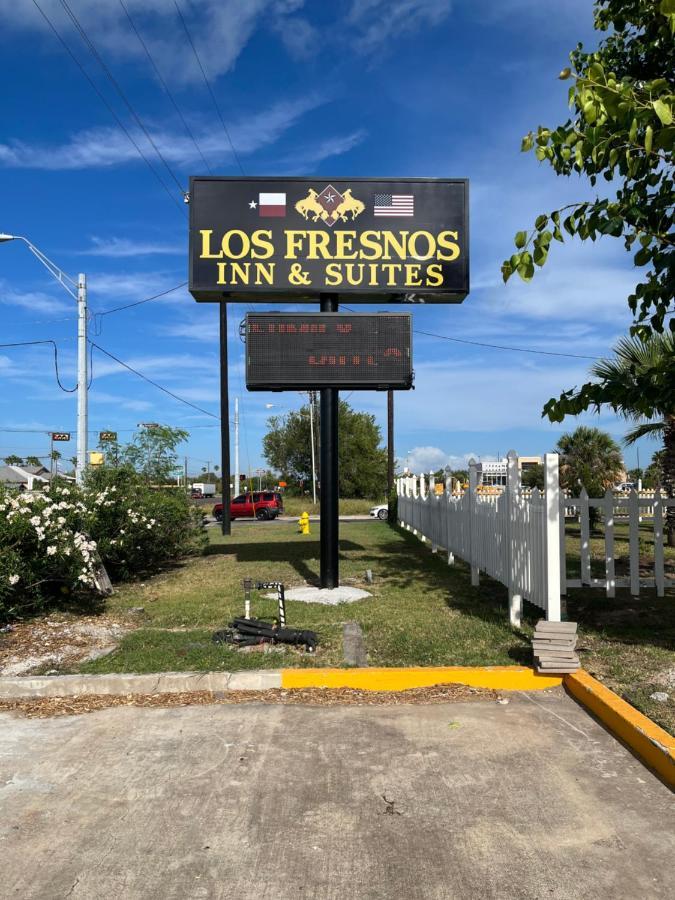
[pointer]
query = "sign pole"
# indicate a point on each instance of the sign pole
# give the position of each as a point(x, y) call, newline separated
point(390, 442)
point(330, 524)
point(224, 421)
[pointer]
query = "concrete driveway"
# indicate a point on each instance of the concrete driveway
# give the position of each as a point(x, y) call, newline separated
point(470, 800)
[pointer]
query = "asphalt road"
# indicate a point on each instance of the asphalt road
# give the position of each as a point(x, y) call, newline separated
point(528, 800)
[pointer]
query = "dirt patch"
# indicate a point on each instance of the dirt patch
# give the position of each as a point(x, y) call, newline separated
point(58, 642)
point(72, 706)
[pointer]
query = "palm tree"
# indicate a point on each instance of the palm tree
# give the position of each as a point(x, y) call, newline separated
point(592, 459)
point(642, 375)
point(13, 460)
point(33, 461)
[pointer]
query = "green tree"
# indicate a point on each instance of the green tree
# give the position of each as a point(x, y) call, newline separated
point(622, 98)
point(638, 382)
point(653, 476)
point(362, 461)
point(589, 458)
point(33, 461)
point(533, 477)
point(152, 452)
point(13, 460)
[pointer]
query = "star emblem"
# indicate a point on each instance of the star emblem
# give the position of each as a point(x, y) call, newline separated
point(329, 198)
point(252, 204)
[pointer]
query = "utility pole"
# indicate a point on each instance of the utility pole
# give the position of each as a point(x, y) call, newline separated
point(82, 379)
point(236, 449)
point(78, 291)
point(390, 442)
point(312, 397)
point(185, 472)
point(330, 522)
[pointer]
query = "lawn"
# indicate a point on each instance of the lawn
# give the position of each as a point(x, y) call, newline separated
point(423, 612)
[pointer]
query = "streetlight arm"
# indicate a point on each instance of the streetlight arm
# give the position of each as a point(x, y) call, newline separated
point(63, 279)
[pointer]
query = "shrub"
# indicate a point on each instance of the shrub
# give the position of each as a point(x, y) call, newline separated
point(50, 542)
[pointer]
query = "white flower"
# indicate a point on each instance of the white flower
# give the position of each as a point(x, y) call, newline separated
point(35, 520)
point(13, 579)
point(51, 550)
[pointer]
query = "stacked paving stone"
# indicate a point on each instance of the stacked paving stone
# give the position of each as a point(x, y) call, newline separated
point(553, 646)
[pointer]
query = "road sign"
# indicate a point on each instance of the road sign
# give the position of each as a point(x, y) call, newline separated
point(60, 435)
point(348, 351)
point(107, 436)
point(361, 240)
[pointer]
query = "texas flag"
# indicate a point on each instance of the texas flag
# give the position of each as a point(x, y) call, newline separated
point(272, 205)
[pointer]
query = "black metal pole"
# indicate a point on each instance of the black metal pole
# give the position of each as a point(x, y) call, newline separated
point(224, 421)
point(330, 523)
point(390, 442)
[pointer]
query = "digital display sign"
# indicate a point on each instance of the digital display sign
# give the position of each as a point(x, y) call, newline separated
point(361, 240)
point(60, 435)
point(348, 351)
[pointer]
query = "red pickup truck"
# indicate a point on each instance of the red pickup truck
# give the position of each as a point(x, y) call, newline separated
point(261, 504)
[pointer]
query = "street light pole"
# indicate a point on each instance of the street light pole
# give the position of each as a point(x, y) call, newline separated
point(236, 446)
point(78, 291)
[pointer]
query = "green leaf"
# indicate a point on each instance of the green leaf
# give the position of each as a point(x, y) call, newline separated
point(540, 255)
point(645, 239)
point(520, 239)
point(663, 111)
point(507, 271)
point(570, 225)
point(667, 7)
point(632, 134)
point(526, 270)
point(557, 234)
point(541, 222)
point(649, 137)
point(527, 143)
point(565, 74)
point(642, 257)
point(540, 153)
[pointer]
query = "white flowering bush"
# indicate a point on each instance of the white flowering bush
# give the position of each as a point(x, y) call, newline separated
point(51, 543)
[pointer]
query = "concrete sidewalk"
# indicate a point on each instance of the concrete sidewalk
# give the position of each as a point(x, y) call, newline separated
point(531, 799)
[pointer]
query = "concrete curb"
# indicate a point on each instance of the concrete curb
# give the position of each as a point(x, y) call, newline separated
point(500, 678)
point(160, 683)
point(651, 743)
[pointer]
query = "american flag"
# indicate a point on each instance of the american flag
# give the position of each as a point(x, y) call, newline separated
point(394, 205)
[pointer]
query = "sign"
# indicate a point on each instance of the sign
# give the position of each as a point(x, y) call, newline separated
point(349, 351)
point(95, 458)
point(266, 239)
point(60, 435)
point(107, 436)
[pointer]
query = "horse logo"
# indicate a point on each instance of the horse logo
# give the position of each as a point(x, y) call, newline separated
point(329, 205)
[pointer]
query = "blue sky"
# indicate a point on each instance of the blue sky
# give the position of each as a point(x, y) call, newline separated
point(438, 88)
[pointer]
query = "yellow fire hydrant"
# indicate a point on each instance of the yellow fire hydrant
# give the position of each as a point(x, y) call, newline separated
point(303, 523)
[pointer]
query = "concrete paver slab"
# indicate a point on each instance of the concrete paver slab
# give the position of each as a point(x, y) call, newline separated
point(531, 799)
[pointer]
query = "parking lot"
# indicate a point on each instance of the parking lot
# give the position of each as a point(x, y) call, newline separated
point(525, 799)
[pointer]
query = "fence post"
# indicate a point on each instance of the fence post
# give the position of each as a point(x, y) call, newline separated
point(585, 546)
point(634, 539)
point(473, 484)
point(512, 485)
point(552, 536)
point(610, 575)
point(448, 501)
point(563, 547)
point(659, 579)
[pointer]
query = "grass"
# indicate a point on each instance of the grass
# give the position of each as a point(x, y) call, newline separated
point(293, 506)
point(422, 612)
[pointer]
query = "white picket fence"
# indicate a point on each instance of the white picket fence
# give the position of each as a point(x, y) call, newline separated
point(518, 536)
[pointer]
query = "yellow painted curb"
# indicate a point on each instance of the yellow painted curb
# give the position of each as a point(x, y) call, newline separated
point(501, 678)
point(651, 743)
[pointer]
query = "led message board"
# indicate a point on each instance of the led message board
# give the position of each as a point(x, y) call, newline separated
point(60, 435)
point(266, 239)
point(348, 351)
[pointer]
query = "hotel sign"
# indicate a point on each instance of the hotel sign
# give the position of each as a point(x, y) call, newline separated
point(293, 239)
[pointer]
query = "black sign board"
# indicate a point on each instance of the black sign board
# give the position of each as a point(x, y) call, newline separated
point(107, 436)
point(348, 351)
point(361, 240)
point(60, 435)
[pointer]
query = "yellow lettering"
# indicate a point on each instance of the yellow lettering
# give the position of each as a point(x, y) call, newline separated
point(399, 244)
point(345, 244)
point(352, 278)
point(294, 241)
point(266, 272)
point(239, 271)
point(434, 275)
point(445, 242)
point(391, 269)
point(222, 267)
point(206, 246)
point(412, 245)
point(318, 245)
point(262, 241)
point(370, 240)
point(333, 274)
point(412, 275)
point(238, 236)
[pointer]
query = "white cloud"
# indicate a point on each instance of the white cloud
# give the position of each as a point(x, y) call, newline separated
point(121, 286)
point(379, 21)
point(122, 248)
point(308, 156)
point(35, 301)
point(109, 146)
point(170, 366)
point(431, 459)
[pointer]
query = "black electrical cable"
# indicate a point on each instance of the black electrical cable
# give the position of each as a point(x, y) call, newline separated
point(209, 88)
point(164, 84)
point(154, 383)
point(103, 100)
point(107, 312)
point(56, 359)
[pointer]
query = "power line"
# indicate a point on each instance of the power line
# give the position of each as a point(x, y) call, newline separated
point(97, 56)
point(445, 337)
point(164, 84)
point(107, 312)
point(56, 359)
point(155, 384)
point(107, 105)
point(209, 88)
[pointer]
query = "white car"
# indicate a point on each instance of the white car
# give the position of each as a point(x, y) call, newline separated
point(380, 512)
